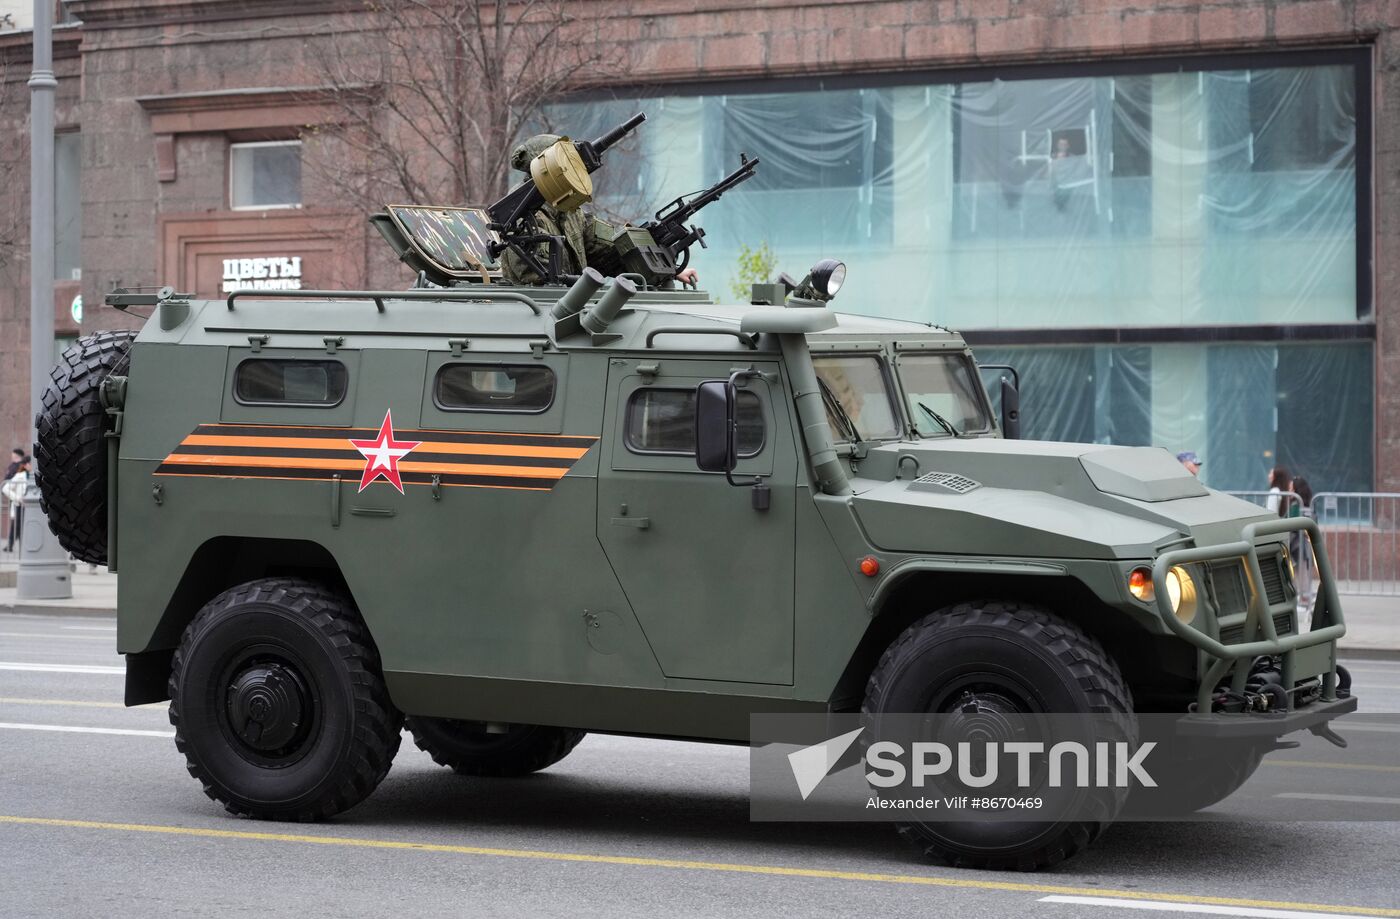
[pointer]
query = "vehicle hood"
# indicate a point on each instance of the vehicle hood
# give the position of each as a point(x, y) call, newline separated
point(1038, 498)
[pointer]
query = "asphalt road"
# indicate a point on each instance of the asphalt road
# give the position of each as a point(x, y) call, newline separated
point(104, 820)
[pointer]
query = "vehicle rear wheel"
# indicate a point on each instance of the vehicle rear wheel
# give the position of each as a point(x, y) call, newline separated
point(279, 703)
point(996, 658)
point(70, 446)
point(469, 749)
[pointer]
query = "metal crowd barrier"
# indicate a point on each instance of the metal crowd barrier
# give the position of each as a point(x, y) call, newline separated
point(1362, 535)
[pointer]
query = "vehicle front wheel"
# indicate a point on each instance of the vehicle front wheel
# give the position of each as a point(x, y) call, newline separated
point(279, 703)
point(1193, 775)
point(984, 663)
point(468, 748)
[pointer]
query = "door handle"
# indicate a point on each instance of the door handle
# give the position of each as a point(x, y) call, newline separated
point(641, 523)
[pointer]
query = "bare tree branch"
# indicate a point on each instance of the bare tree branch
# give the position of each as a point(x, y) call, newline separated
point(431, 95)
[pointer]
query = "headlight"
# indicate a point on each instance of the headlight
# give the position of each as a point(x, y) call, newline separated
point(1140, 584)
point(1181, 591)
point(827, 277)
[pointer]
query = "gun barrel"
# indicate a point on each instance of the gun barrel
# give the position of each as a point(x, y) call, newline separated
point(616, 134)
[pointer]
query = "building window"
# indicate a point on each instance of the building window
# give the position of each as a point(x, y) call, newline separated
point(663, 421)
point(274, 381)
point(265, 175)
point(68, 208)
point(494, 388)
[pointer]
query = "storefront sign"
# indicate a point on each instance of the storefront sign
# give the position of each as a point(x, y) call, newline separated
point(278, 272)
point(76, 309)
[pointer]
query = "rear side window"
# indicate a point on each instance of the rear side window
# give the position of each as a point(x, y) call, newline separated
point(274, 381)
point(494, 388)
point(663, 421)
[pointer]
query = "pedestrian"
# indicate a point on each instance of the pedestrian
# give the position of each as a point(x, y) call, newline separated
point(14, 488)
point(1191, 461)
point(1301, 549)
point(1278, 484)
point(16, 457)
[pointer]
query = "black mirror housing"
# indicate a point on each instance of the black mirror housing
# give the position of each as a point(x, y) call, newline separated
point(1010, 410)
point(714, 426)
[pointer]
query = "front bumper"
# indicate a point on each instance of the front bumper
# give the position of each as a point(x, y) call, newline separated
point(1261, 637)
point(1260, 725)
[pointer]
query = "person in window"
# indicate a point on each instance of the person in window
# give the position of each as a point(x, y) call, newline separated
point(576, 226)
point(1278, 484)
point(16, 458)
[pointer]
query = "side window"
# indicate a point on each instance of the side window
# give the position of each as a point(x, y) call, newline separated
point(494, 388)
point(276, 381)
point(663, 421)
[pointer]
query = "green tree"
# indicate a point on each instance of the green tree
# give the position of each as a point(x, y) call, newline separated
point(756, 266)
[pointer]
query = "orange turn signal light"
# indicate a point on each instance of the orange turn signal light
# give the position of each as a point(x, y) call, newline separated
point(1140, 584)
point(870, 566)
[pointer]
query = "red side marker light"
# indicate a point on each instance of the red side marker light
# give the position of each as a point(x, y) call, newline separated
point(870, 566)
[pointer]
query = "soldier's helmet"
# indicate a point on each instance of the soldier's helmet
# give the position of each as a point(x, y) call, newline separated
point(529, 149)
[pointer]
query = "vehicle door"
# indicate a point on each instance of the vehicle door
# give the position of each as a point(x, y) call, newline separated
point(708, 574)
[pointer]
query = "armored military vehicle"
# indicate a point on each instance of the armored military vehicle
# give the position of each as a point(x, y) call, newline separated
point(509, 515)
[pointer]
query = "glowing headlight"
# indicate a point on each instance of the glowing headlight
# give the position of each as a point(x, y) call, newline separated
point(1181, 591)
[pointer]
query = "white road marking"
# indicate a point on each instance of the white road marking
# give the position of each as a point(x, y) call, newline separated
point(1348, 799)
point(59, 668)
point(89, 628)
point(67, 729)
point(54, 635)
point(1167, 906)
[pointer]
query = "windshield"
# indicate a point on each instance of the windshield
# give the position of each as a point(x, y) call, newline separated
point(945, 396)
point(857, 384)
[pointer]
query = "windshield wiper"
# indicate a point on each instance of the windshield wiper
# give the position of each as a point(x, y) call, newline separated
point(834, 405)
point(943, 422)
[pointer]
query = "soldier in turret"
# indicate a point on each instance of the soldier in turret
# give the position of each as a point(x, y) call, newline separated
point(581, 245)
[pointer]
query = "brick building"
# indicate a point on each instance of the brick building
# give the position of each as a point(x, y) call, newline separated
point(1179, 218)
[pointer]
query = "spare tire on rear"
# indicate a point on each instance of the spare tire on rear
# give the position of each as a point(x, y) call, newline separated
point(71, 446)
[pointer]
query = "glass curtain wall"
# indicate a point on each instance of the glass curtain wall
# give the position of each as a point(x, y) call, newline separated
point(1173, 200)
point(1243, 408)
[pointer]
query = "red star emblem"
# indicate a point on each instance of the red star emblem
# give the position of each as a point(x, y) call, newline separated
point(382, 454)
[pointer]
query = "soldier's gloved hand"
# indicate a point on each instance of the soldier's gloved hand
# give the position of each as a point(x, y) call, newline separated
point(689, 277)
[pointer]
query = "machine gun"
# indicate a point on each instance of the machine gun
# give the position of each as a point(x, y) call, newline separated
point(659, 249)
point(669, 228)
point(574, 164)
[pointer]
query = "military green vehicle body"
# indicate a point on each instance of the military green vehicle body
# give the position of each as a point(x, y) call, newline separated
point(627, 591)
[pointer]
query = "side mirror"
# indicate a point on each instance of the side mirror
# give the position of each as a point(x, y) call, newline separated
point(1010, 410)
point(715, 427)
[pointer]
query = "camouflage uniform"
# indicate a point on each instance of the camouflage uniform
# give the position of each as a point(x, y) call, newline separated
point(576, 226)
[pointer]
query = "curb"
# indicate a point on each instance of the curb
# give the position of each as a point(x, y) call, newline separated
point(34, 609)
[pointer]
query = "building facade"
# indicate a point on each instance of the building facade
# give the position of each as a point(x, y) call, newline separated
point(1178, 219)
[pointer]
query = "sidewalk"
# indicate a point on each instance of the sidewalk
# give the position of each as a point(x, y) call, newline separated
point(1373, 623)
point(94, 594)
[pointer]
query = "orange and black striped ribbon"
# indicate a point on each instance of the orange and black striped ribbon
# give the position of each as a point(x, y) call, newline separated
point(481, 459)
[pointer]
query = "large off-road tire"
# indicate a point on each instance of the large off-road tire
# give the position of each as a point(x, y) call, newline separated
point(1011, 657)
point(279, 703)
point(468, 749)
point(1191, 775)
point(70, 450)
